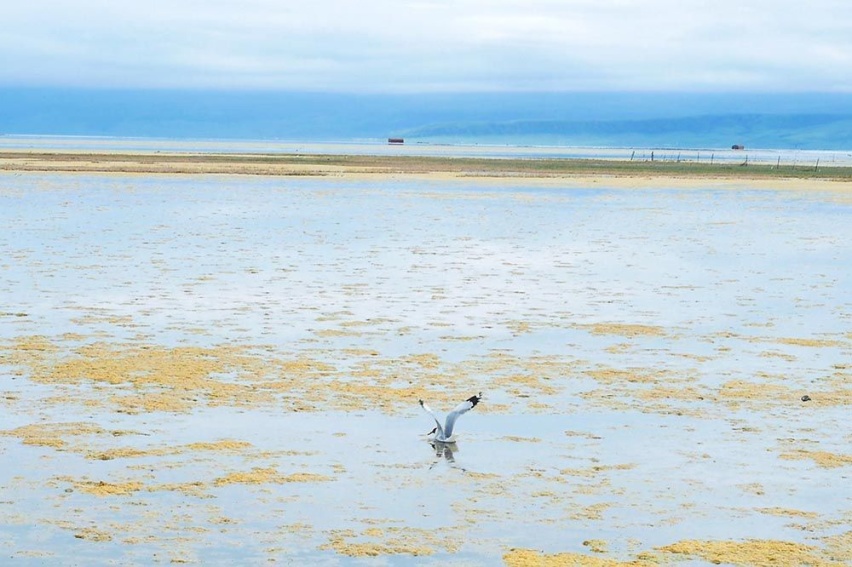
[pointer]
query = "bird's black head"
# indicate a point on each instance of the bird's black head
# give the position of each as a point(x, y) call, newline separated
point(434, 429)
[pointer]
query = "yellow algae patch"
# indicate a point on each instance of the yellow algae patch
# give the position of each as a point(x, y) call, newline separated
point(462, 338)
point(821, 458)
point(593, 512)
point(305, 477)
point(736, 391)
point(377, 549)
point(595, 470)
point(138, 378)
point(267, 476)
point(255, 476)
point(351, 396)
point(619, 348)
point(584, 434)
point(776, 511)
point(73, 337)
point(809, 342)
point(625, 330)
point(30, 352)
point(306, 367)
point(782, 355)
point(596, 545)
point(839, 397)
point(515, 384)
point(359, 352)
point(482, 475)
point(52, 434)
point(119, 453)
point(621, 388)
point(162, 378)
point(196, 488)
point(101, 488)
point(96, 318)
point(752, 488)
point(224, 445)
point(755, 553)
point(740, 390)
point(150, 402)
point(633, 376)
point(840, 546)
point(520, 377)
point(686, 393)
point(188, 367)
point(33, 343)
point(330, 333)
point(426, 360)
point(519, 327)
point(336, 316)
point(532, 558)
point(367, 323)
point(93, 534)
point(389, 541)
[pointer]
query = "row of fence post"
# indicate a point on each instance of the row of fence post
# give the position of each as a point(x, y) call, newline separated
point(713, 157)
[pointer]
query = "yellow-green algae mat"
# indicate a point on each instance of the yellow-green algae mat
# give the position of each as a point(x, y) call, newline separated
point(144, 379)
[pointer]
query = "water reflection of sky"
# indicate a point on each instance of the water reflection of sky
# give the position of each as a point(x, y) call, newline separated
point(460, 272)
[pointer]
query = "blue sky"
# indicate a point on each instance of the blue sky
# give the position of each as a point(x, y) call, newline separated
point(430, 45)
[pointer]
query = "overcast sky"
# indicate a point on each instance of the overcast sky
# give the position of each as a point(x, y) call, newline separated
point(430, 45)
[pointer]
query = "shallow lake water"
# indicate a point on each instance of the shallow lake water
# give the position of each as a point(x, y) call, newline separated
point(221, 370)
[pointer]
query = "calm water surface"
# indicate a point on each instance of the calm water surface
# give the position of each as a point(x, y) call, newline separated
point(587, 430)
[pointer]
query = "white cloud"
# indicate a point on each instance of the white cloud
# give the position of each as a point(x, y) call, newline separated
point(417, 45)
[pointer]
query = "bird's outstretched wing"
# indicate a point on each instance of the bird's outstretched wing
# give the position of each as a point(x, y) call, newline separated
point(429, 411)
point(459, 410)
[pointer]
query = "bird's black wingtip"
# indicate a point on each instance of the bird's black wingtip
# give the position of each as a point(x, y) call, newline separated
point(421, 402)
point(475, 399)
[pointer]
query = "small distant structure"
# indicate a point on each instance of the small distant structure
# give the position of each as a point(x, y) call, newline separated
point(396, 141)
point(738, 147)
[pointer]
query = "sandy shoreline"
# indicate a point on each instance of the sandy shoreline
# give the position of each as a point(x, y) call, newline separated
point(485, 171)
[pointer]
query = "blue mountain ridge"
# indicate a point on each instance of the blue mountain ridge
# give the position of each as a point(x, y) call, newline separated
point(784, 131)
point(802, 120)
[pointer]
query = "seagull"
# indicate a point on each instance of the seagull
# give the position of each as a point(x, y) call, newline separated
point(445, 434)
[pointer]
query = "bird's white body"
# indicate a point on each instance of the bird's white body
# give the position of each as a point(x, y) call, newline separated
point(444, 433)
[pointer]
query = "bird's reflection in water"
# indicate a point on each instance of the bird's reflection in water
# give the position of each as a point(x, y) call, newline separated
point(447, 451)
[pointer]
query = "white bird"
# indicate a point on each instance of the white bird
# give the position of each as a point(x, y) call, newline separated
point(445, 434)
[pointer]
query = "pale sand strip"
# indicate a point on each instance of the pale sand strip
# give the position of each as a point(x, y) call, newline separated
point(367, 168)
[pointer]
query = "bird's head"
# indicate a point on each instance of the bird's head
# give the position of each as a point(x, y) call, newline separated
point(434, 429)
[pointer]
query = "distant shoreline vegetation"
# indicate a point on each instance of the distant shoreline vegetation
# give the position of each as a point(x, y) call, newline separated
point(806, 121)
point(317, 165)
